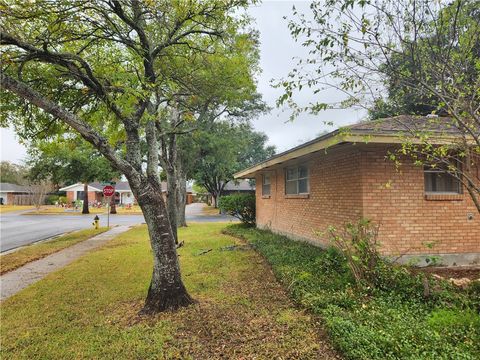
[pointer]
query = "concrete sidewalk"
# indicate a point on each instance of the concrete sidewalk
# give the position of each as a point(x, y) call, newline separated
point(16, 280)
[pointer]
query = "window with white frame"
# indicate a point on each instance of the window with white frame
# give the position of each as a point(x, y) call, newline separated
point(296, 180)
point(439, 181)
point(266, 185)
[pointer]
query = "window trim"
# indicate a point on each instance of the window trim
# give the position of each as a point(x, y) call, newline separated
point(297, 194)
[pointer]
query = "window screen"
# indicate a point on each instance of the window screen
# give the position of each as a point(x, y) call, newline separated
point(440, 181)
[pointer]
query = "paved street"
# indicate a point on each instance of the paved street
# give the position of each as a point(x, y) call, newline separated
point(18, 230)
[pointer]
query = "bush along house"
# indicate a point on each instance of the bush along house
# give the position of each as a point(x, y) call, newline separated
point(346, 175)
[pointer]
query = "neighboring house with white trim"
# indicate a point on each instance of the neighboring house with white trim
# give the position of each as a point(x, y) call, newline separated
point(123, 193)
point(8, 192)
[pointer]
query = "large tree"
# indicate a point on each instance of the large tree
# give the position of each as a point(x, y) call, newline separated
point(97, 68)
point(205, 88)
point(224, 148)
point(13, 173)
point(69, 161)
point(424, 54)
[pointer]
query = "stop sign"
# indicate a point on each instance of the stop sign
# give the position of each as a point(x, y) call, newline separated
point(108, 190)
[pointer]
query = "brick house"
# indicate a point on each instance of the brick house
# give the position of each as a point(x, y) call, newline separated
point(344, 176)
point(123, 193)
point(13, 194)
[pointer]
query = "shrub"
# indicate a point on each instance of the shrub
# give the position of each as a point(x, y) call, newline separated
point(51, 199)
point(358, 242)
point(241, 206)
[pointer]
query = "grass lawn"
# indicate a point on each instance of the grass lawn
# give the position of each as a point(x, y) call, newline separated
point(391, 321)
point(54, 210)
point(89, 309)
point(210, 211)
point(39, 250)
point(9, 208)
point(134, 210)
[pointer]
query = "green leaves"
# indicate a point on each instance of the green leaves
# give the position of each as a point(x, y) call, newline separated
point(67, 161)
point(221, 149)
point(241, 206)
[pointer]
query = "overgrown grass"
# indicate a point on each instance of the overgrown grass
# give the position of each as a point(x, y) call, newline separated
point(393, 321)
point(26, 254)
point(89, 309)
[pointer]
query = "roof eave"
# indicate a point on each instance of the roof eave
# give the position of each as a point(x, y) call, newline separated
point(355, 136)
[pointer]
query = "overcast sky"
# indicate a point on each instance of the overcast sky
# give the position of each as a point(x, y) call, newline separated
point(277, 52)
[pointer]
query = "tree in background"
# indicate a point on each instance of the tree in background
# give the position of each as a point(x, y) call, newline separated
point(67, 161)
point(97, 68)
point(13, 173)
point(197, 96)
point(224, 148)
point(37, 191)
point(425, 54)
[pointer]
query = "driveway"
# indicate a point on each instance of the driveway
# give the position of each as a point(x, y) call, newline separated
point(19, 230)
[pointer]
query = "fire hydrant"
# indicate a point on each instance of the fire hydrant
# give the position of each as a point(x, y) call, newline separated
point(96, 222)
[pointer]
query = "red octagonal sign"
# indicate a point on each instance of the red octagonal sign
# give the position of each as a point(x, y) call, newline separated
point(108, 190)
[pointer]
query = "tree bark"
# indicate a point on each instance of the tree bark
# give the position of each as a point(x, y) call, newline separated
point(181, 196)
point(166, 290)
point(172, 201)
point(85, 199)
point(181, 200)
point(113, 205)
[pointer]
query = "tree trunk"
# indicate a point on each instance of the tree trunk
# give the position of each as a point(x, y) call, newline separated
point(181, 203)
point(172, 201)
point(85, 199)
point(181, 196)
point(214, 201)
point(166, 291)
point(113, 205)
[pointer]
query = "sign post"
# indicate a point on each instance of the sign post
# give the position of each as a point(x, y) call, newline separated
point(108, 192)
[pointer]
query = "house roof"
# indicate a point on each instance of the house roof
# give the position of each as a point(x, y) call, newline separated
point(239, 185)
point(8, 187)
point(407, 124)
point(386, 131)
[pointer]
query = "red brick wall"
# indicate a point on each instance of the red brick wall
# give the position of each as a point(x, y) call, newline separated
point(350, 182)
point(408, 219)
point(335, 197)
point(92, 196)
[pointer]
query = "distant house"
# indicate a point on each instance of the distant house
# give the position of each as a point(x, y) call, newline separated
point(239, 186)
point(346, 175)
point(123, 193)
point(13, 194)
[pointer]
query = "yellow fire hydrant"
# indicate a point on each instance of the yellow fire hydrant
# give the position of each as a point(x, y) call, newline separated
point(96, 222)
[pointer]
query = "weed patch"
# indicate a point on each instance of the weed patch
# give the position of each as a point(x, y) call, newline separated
point(393, 320)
